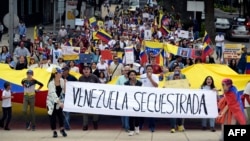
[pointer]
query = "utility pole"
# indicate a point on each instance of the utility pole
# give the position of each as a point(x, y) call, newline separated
point(11, 25)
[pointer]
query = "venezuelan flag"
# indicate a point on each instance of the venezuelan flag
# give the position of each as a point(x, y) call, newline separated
point(160, 20)
point(164, 31)
point(157, 49)
point(93, 21)
point(103, 35)
point(206, 38)
point(206, 47)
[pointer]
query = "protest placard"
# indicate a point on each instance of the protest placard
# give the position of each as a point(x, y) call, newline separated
point(232, 51)
point(79, 22)
point(129, 55)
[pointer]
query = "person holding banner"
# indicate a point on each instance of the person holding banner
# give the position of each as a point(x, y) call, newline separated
point(176, 76)
point(87, 76)
point(208, 84)
point(149, 79)
point(121, 81)
point(133, 121)
point(230, 106)
point(56, 89)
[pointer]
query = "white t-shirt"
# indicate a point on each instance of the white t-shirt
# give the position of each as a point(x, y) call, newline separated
point(219, 40)
point(247, 91)
point(103, 67)
point(146, 82)
point(6, 102)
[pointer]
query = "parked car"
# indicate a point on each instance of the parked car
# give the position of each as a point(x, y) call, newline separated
point(222, 24)
point(133, 5)
point(238, 32)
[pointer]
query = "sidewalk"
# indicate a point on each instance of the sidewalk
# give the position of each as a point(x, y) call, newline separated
point(110, 135)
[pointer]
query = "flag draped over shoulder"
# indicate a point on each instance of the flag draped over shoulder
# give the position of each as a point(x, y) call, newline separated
point(156, 48)
point(206, 45)
point(103, 35)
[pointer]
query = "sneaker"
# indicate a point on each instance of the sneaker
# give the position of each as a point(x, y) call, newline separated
point(95, 125)
point(204, 128)
point(181, 128)
point(212, 129)
point(85, 128)
point(1, 123)
point(172, 130)
point(152, 129)
point(63, 133)
point(7, 128)
point(28, 125)
point(33, 127)
point(54, 134)
point(131, 133)
point(137, 130)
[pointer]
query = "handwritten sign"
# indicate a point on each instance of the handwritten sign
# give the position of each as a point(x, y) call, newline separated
point(139, 101)
point(232, 51)
point(181, 83)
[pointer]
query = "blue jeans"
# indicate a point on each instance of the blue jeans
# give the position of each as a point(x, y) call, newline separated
point(125, 122)
point(175, 121)
point(211, 122)
point(66, 120)
point(151, 124)
point(219, 51)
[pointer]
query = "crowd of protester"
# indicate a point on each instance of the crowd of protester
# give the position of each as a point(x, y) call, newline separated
point(127, 29)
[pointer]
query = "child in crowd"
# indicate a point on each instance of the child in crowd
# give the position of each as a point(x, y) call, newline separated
point(6, 106)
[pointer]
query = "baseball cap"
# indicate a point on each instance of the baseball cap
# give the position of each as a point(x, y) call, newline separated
point(86, 66)
point(66, 68)
point(30, 72)
point(227, 81)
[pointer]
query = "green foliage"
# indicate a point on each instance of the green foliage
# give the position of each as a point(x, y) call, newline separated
point(226, 8)
point(202, 32)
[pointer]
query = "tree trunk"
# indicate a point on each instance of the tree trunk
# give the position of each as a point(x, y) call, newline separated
point(209, 20)
point(78, 7)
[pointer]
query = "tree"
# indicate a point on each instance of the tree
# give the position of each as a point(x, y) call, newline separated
point(78, 7)
point(209, 20)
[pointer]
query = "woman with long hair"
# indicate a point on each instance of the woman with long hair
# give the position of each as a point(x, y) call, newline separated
point(208, 84)
point(4, 54)
point(56, 89)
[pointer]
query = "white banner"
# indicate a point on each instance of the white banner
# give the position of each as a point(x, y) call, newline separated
point(139, 101)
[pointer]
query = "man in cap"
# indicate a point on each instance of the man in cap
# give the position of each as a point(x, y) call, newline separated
point(88, 77)
point(29, 84)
